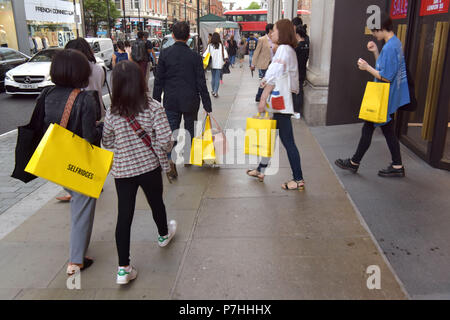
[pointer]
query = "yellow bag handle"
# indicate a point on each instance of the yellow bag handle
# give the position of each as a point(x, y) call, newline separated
point(266, 115)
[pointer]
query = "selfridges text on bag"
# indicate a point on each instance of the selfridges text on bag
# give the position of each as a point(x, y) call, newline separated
point(280, 100)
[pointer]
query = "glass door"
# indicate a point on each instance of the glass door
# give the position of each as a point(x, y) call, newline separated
point(426, 58)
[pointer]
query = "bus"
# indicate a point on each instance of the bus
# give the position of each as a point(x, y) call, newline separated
point(255, 21)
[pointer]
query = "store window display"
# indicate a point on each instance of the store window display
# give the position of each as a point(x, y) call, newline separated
point(8, 36)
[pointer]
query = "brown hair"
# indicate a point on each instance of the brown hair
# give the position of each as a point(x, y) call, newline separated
point(286, 33)
point(129, 93)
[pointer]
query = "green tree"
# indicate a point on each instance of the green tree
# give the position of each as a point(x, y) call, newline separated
point(96, 11)
point(253, 5)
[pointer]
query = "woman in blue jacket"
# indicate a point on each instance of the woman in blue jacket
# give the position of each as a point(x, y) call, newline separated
point(390, 67)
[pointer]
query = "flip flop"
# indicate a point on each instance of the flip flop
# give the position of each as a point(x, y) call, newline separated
point(300, 186)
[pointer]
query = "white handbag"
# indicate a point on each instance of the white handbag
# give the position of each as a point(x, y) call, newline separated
point(280, 100)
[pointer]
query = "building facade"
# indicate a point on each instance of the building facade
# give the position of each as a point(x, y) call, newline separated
point(216, 7)
point(33, 25)
point(148, 15)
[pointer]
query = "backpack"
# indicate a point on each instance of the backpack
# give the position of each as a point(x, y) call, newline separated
point(139, 51)
point(252, 44)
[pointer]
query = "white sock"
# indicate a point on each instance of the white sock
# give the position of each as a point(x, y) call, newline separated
point(127, 269)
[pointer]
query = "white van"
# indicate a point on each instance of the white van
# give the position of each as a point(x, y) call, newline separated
point(103, 49)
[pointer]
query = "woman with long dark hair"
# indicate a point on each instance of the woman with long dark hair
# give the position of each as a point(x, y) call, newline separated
point(136, 127)
point(218, 56)
point(285, 60)
point(120, 54)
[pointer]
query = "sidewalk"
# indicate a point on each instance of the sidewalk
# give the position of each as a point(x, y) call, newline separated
point(409, 217)
point(237, 238)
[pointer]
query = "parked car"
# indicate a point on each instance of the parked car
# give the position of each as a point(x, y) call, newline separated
point(9, 59)
point(103, 49)
point(33, 76)
point(192, 42)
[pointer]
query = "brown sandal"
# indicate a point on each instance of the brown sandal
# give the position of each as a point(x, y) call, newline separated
point(300, 185)
point(258, 175)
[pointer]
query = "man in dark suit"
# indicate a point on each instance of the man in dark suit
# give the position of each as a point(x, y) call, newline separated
point(180, 75)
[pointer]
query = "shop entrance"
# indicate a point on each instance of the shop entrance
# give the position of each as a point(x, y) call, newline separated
point(427, 130)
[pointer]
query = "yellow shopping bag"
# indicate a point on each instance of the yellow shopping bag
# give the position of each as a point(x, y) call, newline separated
point(374, 107)
point(206, 60)
point(70, 161)
point(260, 136)
point(202, 148)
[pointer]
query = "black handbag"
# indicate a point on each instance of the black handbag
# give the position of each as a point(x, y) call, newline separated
point(28, 138)
point(226, 66)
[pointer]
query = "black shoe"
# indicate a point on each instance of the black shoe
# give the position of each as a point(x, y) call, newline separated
point(392, 172)
point(257, 99)
point(346, 165)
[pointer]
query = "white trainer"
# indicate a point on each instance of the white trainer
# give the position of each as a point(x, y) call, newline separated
point(164, 241)
point(124, 276)
point(297, 116)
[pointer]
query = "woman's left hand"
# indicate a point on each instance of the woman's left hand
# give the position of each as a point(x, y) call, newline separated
point(362, 64)
point(262, 106)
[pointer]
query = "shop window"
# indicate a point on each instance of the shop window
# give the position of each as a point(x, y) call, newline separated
point(8, 31)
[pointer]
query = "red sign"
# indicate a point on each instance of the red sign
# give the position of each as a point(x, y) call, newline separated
point(399, 9)
point(430, 7)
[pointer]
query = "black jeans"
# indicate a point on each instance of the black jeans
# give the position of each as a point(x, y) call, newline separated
point(174, 118)
point(151, 183)
point(298, 100)
point(391, 139)
point(284, 126)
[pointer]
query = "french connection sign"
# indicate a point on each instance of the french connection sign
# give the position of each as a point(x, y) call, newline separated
point(51, 10)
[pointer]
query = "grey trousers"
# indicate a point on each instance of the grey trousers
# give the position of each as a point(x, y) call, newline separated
point(82, 210)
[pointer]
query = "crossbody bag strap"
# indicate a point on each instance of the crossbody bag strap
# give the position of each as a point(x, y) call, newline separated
point(68, 108)
point(140, 132)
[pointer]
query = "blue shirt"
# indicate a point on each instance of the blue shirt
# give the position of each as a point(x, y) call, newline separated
point(121, 56)
point(392, 67)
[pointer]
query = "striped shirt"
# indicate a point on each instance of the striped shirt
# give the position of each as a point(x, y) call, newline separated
point(131, 156)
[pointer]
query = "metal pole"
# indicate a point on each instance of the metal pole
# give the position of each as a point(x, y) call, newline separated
point(185, 10)
point(109, 19)
point(139, 17)
point(75, 16)
point(124, 23)
point(198, 25)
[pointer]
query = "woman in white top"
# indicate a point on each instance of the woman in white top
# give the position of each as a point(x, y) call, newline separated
point(285, 59)
point(218, 56)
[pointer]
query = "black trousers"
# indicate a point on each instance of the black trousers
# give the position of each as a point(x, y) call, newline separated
point(174, 119)
point(151, 183)
point(299, 100)
point(391, 139)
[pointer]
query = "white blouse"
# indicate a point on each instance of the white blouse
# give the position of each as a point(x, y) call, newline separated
point(216, 56)
point(285, 59)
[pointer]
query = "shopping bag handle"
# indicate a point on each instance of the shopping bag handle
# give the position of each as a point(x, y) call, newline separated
point(217, 124)
point(266, 115)
point(73, 136)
